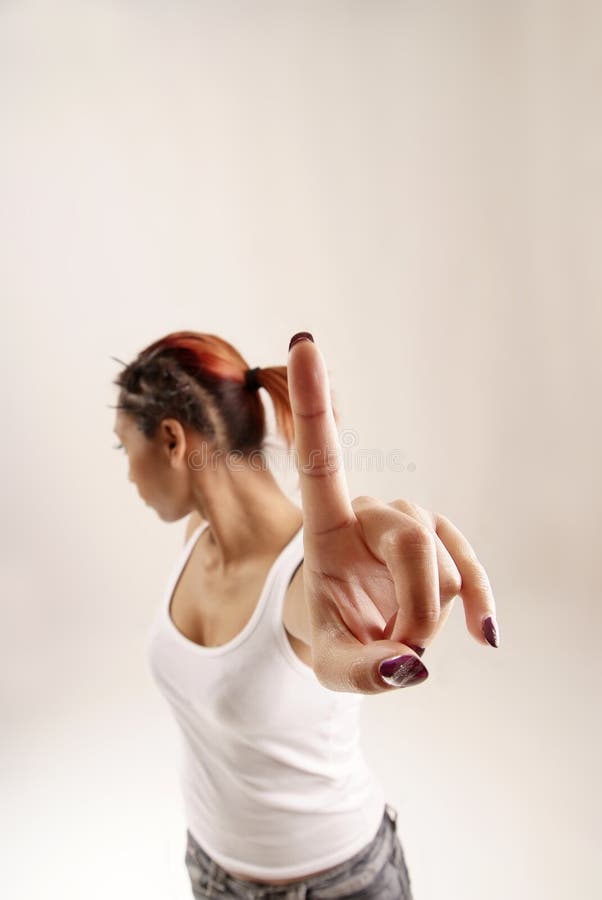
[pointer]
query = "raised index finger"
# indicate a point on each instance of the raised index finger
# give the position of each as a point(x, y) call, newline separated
point(324, 491)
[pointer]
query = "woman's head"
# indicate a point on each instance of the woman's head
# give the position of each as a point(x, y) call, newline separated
point(183, 399)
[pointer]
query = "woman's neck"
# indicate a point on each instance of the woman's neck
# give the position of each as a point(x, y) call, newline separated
point(248, 514)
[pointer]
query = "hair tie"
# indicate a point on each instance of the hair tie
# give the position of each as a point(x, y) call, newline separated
point(251, 381)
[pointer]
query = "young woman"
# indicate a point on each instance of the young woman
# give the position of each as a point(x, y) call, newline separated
point(277, 620)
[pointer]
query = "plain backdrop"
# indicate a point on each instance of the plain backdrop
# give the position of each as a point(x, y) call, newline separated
point(419, 185)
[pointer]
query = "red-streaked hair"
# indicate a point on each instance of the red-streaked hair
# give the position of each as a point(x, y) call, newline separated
point(199, 379)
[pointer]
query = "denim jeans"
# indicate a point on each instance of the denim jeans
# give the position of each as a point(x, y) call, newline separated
point(376, 872)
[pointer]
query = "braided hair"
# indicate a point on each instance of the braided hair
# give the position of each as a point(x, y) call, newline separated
point(202, 381)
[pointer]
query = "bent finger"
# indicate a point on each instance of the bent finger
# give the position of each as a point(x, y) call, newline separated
point(476, 592)
point(450, 580)
point(408, 550)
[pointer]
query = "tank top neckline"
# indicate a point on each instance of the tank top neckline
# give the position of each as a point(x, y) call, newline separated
point(252, 622)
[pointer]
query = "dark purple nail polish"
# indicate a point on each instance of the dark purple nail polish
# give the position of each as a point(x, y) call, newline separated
point(300, 336)
point(417, 649)
point(402, 671)
point(489, 627)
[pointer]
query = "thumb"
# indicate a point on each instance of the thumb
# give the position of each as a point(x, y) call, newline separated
point(348, 665)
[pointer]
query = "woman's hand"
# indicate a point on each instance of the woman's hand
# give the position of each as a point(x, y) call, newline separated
point(379, 578)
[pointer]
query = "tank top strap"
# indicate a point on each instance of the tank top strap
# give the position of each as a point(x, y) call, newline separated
point(287, 564)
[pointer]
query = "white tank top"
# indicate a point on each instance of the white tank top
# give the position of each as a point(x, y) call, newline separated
point(273, 778)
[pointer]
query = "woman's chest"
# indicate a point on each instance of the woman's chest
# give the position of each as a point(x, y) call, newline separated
point(212, 613)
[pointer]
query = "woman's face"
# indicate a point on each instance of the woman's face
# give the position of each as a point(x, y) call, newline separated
point(159, 483)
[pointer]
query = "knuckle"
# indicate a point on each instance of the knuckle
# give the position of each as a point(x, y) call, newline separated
point(406, 506)
point(416, 538)
point(450, 584)
point(423, 535)
point(322, 465)
point(416, 512)
point(362, 499)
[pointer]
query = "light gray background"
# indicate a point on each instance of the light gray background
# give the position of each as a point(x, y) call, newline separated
point(418, 184)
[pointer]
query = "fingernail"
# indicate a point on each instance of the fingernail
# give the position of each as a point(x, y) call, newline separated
point(416, 649)
point(402, 671)
point(489, 628)
point(301, 336)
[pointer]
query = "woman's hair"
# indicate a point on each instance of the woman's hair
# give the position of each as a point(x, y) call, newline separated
point(199, 379)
